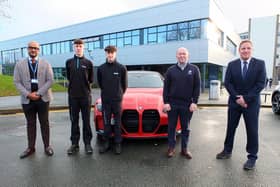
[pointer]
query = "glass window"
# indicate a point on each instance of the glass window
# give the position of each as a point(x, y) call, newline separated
point(96, 44)
point(67, 47)
point(135, 40)
point(194, 33)
point(113, 36)
point(54, 48)
point(120, 34)
point(136, 32)
point(172, 35)
point(90, 46)
point(120, 42)
point(183, 25)
point(183, 34)
point(46, 49)
point(230, 46)
point(161, 28)
point(161, 37)
point(127, 41)
point(113, 42)
point(152, 38)
point(152, 30)
point(172, 27)
point(105, 43)
point(106, 37)
point(194, 24)
point(24, 52)
point(128, 33)
point(62, 47)
point(17, 54)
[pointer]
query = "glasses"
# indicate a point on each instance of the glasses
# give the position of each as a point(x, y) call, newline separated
point(35, 48)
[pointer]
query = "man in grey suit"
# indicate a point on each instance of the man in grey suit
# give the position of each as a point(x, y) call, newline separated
point(33, 78)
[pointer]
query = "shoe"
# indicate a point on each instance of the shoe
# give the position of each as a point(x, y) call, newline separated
point(49, 151)
point(73, 149)
point(27, 152)
point(118, 148)
point(170, 152)
point(88, 149)
point(249, 164)
point(223, 155)
point(186, 154)
point(104, 147)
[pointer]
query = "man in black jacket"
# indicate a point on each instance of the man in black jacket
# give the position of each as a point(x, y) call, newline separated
point(112, 80)
point(180, 95)
point(80, 76)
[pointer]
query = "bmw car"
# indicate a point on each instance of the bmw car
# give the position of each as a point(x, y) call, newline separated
point(275, 100)
point(142, 115)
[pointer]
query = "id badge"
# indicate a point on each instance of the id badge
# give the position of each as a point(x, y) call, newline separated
point(34, 81)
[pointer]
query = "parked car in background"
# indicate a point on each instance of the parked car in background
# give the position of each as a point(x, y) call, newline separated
point(142, 114)
point(275, 100)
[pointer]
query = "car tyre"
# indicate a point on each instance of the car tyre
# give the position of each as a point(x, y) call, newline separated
point(275, 101)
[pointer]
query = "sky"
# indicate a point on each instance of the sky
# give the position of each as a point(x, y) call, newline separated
point(33, 16)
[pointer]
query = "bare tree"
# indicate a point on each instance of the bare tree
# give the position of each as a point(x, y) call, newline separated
point(4, 7)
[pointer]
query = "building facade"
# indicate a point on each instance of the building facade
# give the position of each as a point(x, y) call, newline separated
point(265, 35)
point(146, 39)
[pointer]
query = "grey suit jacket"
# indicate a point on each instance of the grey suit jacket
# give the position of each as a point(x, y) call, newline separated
point(22, 80)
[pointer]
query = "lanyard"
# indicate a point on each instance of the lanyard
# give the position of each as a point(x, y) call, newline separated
point(34, 70)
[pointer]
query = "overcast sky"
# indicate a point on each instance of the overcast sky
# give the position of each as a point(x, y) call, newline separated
point(32, 16)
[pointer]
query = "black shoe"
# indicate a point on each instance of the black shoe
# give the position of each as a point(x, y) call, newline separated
point(88, 149)
point(118, 148)
point(104, 147)
point(49, 151)
point(223, 155)
point(27, 152)
point(249, 164)
point(73, 149)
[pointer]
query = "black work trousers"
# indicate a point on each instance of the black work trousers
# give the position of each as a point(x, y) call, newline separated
point(77, 104)
point(112, 120)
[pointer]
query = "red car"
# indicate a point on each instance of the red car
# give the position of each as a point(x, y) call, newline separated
point(142, 115)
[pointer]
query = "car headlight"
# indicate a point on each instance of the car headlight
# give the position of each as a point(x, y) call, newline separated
point(99, 107)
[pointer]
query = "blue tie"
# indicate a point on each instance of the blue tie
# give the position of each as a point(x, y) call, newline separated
point(245, 68)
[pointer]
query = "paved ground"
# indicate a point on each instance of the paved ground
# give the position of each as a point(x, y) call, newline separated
point(143, 162)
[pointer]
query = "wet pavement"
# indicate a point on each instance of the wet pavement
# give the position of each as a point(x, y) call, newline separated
point(142, 162)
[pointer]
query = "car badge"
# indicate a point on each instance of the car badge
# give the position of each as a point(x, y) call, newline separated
point(140, 108)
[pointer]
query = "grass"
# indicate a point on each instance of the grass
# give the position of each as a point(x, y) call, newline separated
point(7, 87)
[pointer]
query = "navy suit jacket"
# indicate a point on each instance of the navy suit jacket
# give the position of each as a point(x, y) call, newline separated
point(251, 86)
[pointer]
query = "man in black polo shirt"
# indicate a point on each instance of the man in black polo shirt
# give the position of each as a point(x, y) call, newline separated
point(79, 72)
point(112, 80)
point(180, 95)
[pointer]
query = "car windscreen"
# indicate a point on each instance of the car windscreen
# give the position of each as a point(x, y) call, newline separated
point(143, 80)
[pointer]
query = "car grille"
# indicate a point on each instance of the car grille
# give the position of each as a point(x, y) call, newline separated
point(150, 120)
point(130, 120)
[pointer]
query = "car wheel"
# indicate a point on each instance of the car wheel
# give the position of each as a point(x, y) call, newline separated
point(276, 103)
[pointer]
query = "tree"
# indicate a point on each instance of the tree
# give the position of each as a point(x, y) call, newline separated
point(4, 6)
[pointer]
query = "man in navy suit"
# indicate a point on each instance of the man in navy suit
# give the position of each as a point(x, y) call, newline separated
point(244, 80)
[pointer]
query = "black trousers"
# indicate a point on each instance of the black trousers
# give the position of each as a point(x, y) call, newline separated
point(183, 113)
point(251, 117)
point(30, 111)
point(109, 110)
point(76, 105)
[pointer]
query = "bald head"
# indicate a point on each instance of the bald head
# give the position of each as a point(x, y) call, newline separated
point(33, 49)
point(182, 55)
